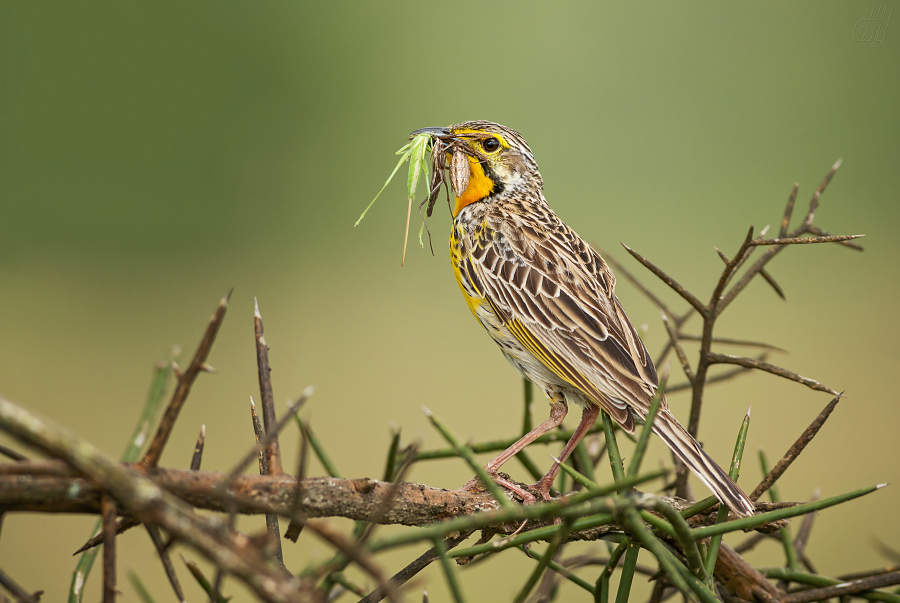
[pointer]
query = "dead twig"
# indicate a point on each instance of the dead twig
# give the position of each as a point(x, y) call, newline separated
point(295, 527)
point(725, 376)
point(124, 524)
point(623, 271)
point(794, 451)
point(17, 591)
point(788, 211)
point(267, 398)
point(804, 228)
point(751, 363)
point(812, 228)
point(806, 240)
point(802, 538)
point(408, 572)
point(12, 454)
point(730, 341)
point(751, 542)
point(672, 283)
point(197, 458)
point(271, 519)
point(679, 351)
point(148, 503)
point(108, 513)
point(185, 382)
point(163, 551)
point(844, 589)
point(272, 434)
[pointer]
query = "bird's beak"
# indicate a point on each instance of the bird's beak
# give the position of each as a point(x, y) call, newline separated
point(436, 132)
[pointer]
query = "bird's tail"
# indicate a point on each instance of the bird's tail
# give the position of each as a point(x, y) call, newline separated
point(689, 451)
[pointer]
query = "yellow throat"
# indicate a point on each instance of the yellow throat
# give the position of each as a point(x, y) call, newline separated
point(480, 186)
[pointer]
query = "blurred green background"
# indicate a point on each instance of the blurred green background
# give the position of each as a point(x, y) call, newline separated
point(153, 155)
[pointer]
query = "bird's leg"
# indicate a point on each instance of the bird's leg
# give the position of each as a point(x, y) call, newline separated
point(558, 410)
point(588, 418)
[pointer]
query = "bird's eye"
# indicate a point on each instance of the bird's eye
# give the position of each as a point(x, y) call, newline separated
point(490, 144)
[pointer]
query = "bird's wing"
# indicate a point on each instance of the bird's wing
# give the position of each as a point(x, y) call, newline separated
point(556, 295)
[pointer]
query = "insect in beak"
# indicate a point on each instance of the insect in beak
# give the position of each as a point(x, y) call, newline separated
point(459, 171)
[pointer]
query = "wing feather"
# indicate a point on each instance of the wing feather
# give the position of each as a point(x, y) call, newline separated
point(556, 295)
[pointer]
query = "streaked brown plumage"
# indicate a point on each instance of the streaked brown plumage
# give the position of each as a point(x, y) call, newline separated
point(548, 299)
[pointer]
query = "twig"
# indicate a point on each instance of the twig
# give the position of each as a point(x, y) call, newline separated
point(264, 460)
point(357, 499)
point(197, 458)
point(731, 267)
point(887, 551)
point(835, 588)
point(146, 502)
point(391, 495)
point(772, 283)
point(364, 529)
point(203, 581)
point(788, 211)
point(667, 347)
point(806, 526)
point(658, 595)
point(317, 448)
point(17, 591)
point(271, 435)
point(868, 573)
point(751, 542)
point(532, 580)
point(687, 295)
point(358, 555)
point(343, 580)
point(805, 240)
point(585, 560)
point(496, 445)
point(124, 524)
point(679, 351)
point(185, 381)
point(729, 341)
point(716, 358)
point(814, 202)
point(772, 252)
point(794, 451)
point(158, 385)
point(622, 270)
point(725, 376)
point(267, 399)
point(812, 228)
point(166, 559)
point(420, 563)
point(295, 527)
point(390, 465)
point(449, 572)
point(544, 592)
point(12, 454)
point(108, 514)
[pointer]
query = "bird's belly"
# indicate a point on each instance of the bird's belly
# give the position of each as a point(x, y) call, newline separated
point(521, 359)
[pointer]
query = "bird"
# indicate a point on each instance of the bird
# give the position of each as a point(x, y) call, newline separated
point(547, 298)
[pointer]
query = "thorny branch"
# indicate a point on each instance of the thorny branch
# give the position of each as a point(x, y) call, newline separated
point(164, 500)
point(185, 382)
point(719, 301)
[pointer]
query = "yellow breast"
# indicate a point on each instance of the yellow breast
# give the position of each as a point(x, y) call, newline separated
point(472, 297)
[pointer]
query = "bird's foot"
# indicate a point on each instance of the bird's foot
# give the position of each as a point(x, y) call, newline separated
point(501, 479)
point(543, 488)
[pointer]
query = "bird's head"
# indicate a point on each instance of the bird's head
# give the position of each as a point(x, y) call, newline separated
point(500, 161)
